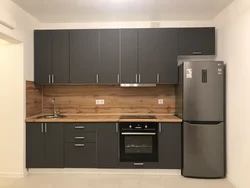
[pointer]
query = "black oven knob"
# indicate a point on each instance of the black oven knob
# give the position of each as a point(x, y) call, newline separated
point(146, 126)
point(130, 126)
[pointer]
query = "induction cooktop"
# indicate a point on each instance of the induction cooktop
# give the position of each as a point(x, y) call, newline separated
point(137, 117)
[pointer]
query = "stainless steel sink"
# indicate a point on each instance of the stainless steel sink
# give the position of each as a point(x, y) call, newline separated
point(51, 117)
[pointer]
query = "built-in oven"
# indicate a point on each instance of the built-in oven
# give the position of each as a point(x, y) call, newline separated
point(138, 142)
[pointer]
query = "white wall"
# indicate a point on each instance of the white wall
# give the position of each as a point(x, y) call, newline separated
point(89, 25)
point(12, 110)
point(16, 62)
point(23, 32)
point(233, 27)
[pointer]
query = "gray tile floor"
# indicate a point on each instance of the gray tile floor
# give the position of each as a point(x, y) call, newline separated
point(109, 181)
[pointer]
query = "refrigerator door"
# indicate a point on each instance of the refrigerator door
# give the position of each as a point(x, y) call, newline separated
point(203, 91)
point(203, 150)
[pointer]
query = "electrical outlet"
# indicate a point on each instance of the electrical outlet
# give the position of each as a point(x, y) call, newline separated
point(160, 101)
point(99, 101)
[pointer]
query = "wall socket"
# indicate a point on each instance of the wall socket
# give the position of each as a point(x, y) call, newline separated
point(160, 101)
point(99, 101)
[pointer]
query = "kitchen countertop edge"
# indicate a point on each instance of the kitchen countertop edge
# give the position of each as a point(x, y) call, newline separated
point(94, 118)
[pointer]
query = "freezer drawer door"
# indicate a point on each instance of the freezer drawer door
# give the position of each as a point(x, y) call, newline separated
point(203, 150)
point(203, 91)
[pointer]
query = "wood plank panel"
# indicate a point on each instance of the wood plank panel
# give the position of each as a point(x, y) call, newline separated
point(33, 99)
point(75, 99)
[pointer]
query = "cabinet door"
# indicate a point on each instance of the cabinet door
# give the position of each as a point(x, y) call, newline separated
point(80, 155)
point(129, 55)
point(166, 59)
point(53, 145)
point(170, 146)
point(148, 45)
point(84, 56)
point(107, 145)
point(42, 49)
point(108, 71)
point(196, 41)
point(34, 145)
point(60, 56)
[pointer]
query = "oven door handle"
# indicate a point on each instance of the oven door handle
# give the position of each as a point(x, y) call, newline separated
point(138, 133)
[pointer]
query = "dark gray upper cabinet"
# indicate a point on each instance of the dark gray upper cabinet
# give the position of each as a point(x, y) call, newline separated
point(170, 146)
point(167, 52)
point(84, 56)
point(44, 145)
point(42, 53)
point(60, 56)
point(107, 145)
point(129, 55)
point(196, 41)
point(108, 71)
point(158, 56)
point(148, 46)
point(51, 57)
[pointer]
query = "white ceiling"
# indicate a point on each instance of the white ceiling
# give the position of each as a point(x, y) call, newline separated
point(121, 10)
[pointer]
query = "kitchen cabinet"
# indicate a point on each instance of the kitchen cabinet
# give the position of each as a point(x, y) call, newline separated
point(84, 56)
point(129, 55)
point(196, 41)
point(108, 70)
point(44, 145)
point(107, 145)
point(80, 155)
point(80, 145)
point(170, 145)
point(158, 56)
point(51, 57)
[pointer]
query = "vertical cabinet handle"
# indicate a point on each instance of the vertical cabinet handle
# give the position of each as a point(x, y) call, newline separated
point(158, 78)
point(116, 127)
point(42, 127)
point(97, 78)
point(49, 79)
point(118, 78)
point(52, 79)
point(160, 128)
point(45, 127)
point(136, 78)
point(139, 78)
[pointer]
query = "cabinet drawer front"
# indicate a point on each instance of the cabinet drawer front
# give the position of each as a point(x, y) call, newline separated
point(81, 127)
point(80, 155)
point(77, 136)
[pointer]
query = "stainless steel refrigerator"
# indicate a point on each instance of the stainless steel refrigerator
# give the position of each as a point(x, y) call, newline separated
point(200, 103)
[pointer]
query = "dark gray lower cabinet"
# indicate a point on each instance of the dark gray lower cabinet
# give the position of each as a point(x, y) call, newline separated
point(170, 146)
point(80, 155)
point(44, 145)
point(107, 145)
point(34, 145)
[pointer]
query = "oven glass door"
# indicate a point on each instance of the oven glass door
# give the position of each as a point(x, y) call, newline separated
point(138, 147)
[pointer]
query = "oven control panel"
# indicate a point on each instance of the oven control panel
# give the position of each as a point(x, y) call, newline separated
point(138, 126)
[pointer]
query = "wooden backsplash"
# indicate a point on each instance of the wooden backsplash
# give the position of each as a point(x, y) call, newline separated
point(76, 99)
point(33, 99)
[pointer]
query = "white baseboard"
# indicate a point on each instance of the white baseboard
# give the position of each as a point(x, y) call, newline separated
point(232, 182)
point(11, 175)
point(89, 171)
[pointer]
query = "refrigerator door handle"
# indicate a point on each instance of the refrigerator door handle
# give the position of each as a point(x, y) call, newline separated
point(202, 123)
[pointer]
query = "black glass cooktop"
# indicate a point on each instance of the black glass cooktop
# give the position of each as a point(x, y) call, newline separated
point(137, 117)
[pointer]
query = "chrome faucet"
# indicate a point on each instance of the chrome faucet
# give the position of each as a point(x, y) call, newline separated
point(55, 113)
